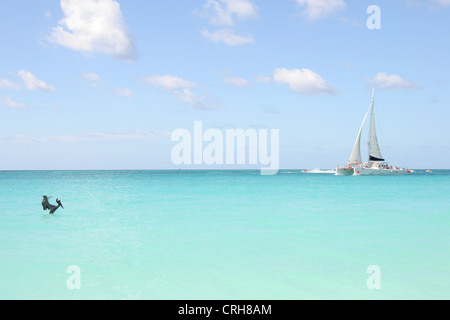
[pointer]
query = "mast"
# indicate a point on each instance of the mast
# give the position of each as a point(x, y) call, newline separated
point(374, 148)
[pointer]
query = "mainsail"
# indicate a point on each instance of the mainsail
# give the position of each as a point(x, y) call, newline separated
point(374, 148)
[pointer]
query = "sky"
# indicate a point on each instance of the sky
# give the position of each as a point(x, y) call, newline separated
point(102, 84)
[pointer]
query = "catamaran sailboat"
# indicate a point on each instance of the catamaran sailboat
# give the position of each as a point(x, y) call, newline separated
point(376, 164)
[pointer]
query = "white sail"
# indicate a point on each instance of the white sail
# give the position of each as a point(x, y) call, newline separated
point(374, 148)
point(355, 156)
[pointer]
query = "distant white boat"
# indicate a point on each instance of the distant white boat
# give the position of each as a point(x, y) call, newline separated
point(319, 171)
point(376, 165)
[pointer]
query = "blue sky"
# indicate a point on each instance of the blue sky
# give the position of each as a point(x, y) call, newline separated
point(101, 84)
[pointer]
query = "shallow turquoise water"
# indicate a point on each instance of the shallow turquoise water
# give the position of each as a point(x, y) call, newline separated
point(224, 235)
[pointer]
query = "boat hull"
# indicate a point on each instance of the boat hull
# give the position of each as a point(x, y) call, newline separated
point(345, 172)
point(380, 172)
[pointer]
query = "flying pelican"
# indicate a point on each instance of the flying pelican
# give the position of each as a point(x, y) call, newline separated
point(47, 206)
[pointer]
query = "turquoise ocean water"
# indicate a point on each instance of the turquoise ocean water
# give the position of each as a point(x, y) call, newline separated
point(224, 235)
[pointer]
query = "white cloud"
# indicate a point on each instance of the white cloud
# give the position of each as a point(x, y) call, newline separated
point(272, 110)
point(224, 12)
point(6, 101)
point(303, 81)
point(237, 82)
point(263, 78)
point(227, 36)
point(94, 136)
point(350, 22)
point(168, 82)
point(94, 26)
point(190, 98)
point(123, 92)
point(393, 81)
point(33, 83)
point(198, 102)
point(136, 134)
point(8, 84)
point(180, 90)
point(317, 9)
point(91, 76)
point(442, 3)
point(430, 4)
point(95, 81)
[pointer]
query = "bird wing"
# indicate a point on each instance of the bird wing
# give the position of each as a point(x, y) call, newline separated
point(53, 209)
